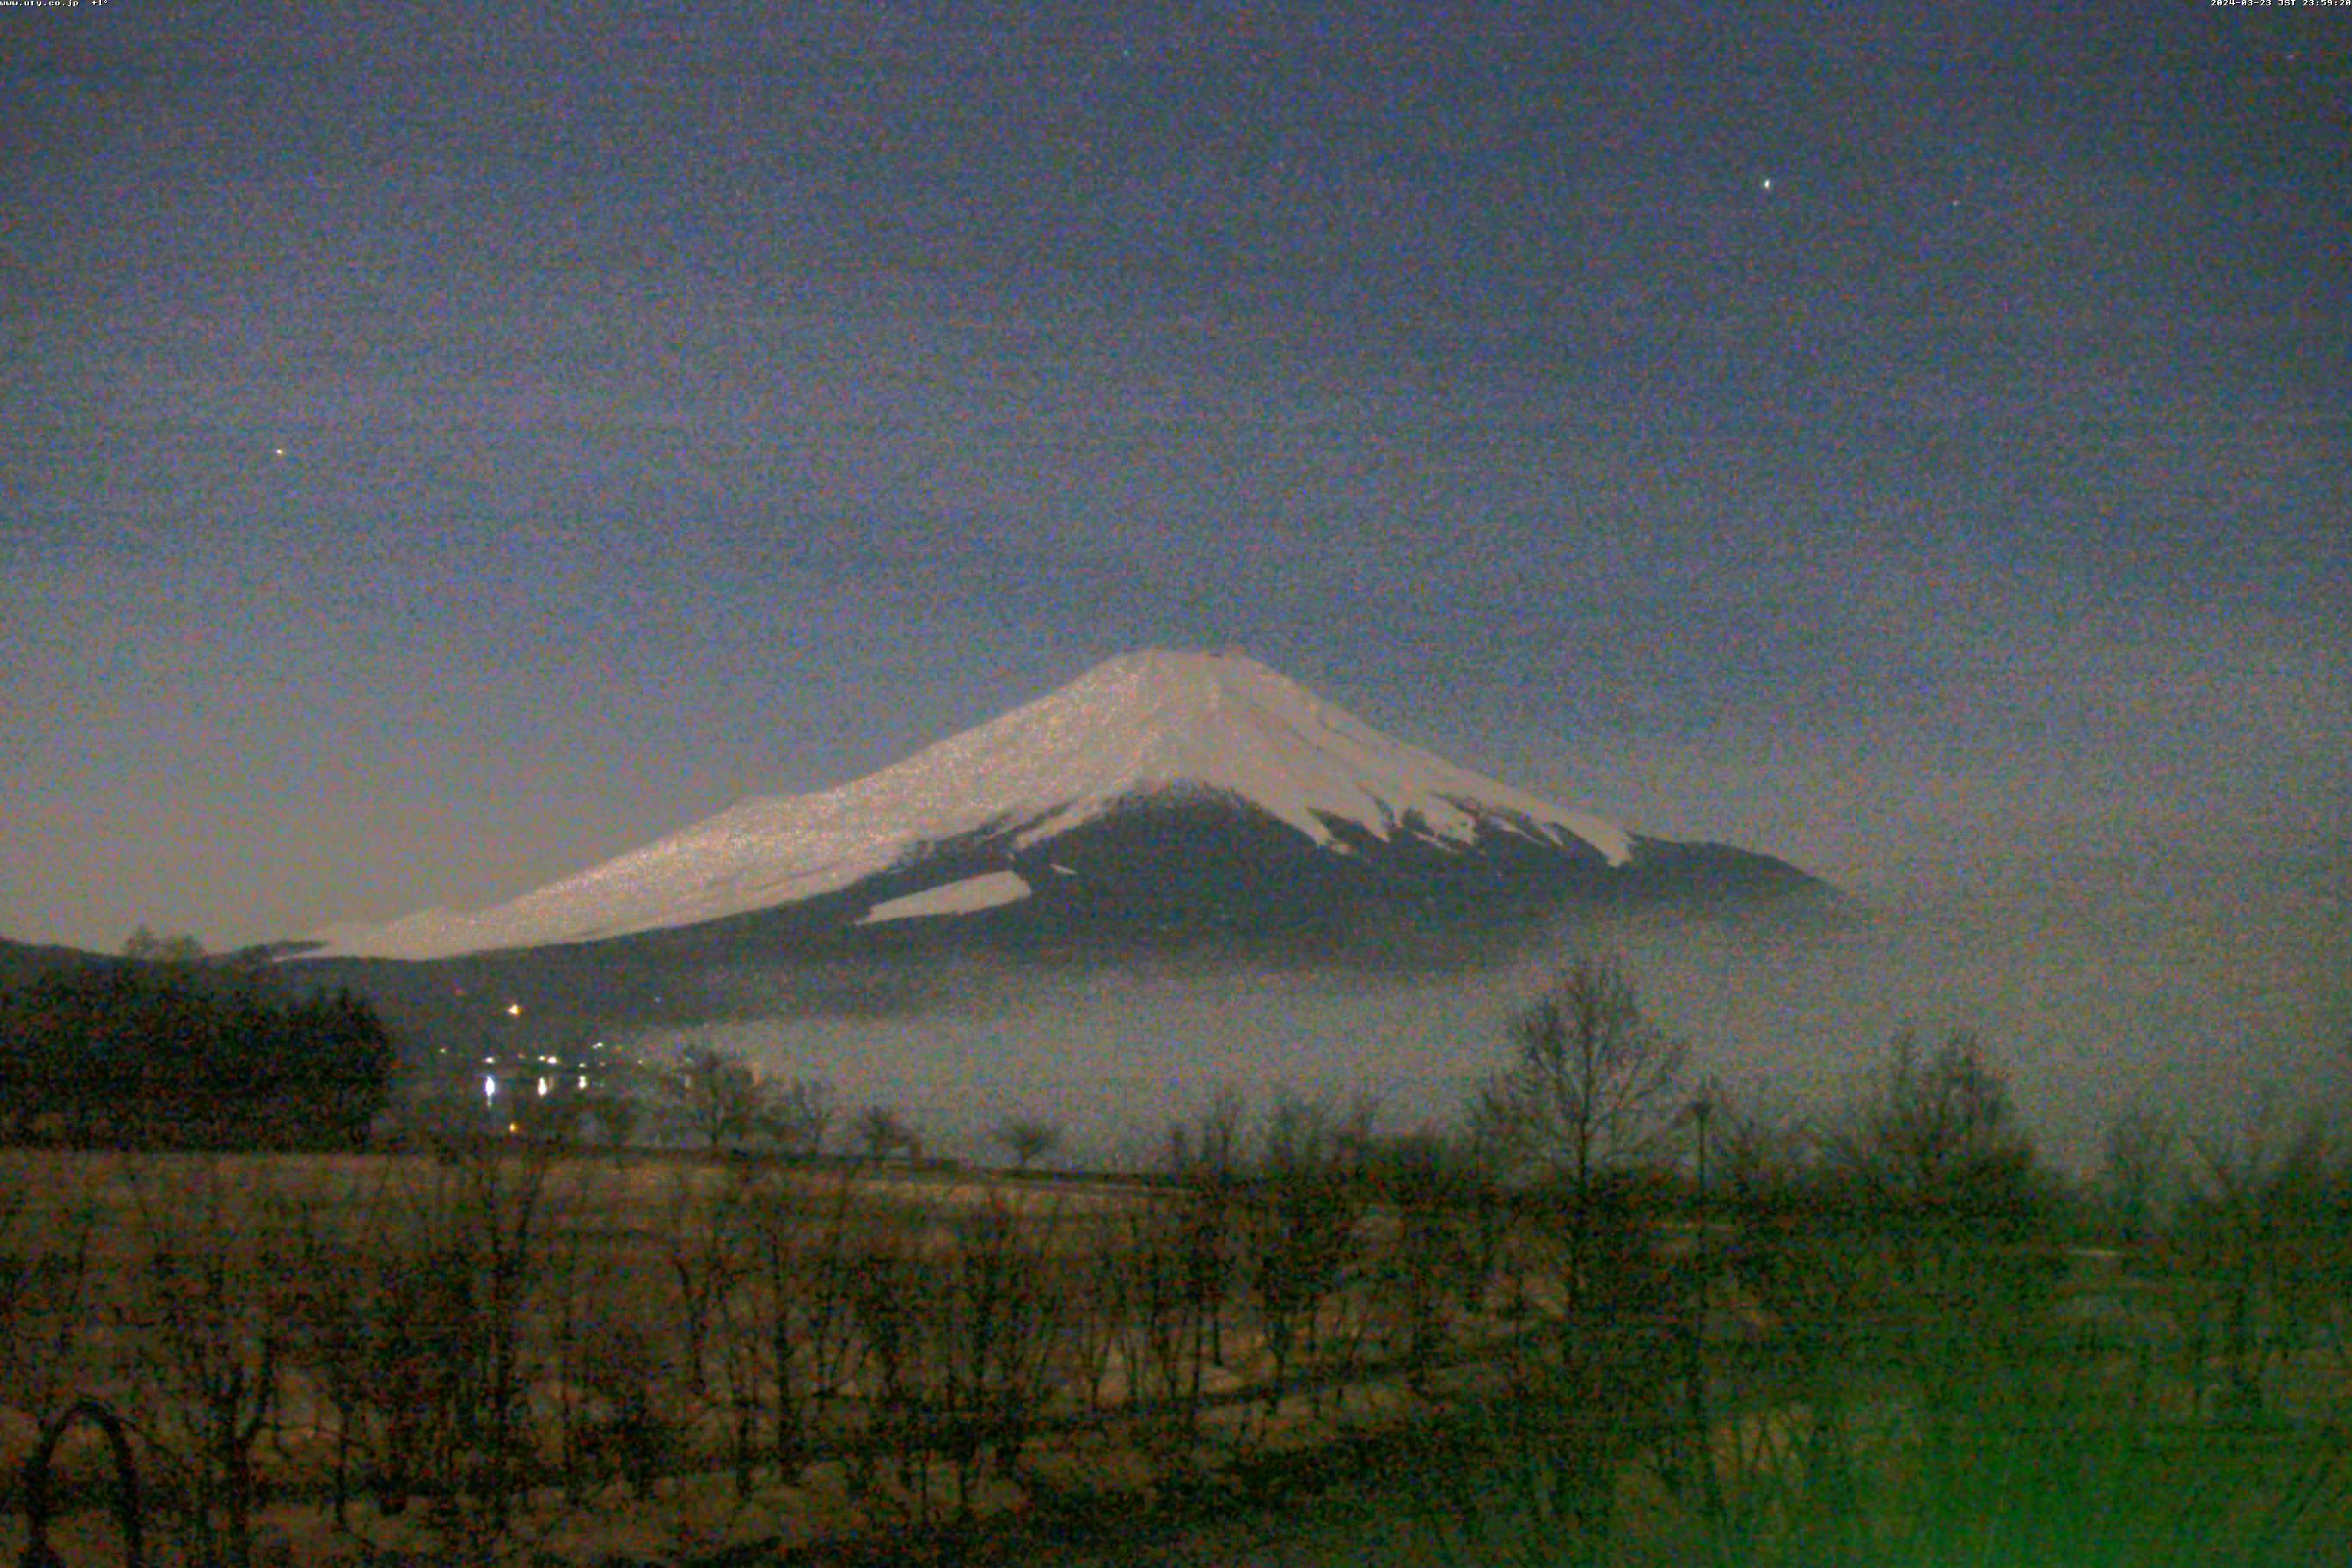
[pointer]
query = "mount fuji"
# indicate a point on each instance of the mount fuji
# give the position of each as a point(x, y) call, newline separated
point(1161, 798)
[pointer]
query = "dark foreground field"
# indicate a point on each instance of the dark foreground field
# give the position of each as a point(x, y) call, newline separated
point(505, 1353)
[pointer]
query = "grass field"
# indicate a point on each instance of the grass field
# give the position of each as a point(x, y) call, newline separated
point(510, 1354)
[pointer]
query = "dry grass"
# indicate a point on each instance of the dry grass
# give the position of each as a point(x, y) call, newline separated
point(643, 1279)
point(635, 1274)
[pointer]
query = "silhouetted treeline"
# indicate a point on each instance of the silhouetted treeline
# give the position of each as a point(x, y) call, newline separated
point(186, 1053)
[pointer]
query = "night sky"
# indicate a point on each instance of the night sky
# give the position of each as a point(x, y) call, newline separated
point(438, 454)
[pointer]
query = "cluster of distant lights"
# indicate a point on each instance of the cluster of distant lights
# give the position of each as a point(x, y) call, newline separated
point(490, 1080)
point(545, 1081)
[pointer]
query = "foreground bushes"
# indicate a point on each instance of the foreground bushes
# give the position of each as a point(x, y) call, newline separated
point(1860, 1342)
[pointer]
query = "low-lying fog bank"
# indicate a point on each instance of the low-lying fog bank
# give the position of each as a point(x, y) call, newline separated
point(2210, 990)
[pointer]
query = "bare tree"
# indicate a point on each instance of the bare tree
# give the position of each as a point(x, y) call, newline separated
point(1590, 1082)
point(1205, 1159)
point(1026, 1138)
point(798, 1115)
point(1097, 1316)
point(1941, 1193)
point(884, 1133)
point(616, 1103)
point(453, 1361)
point(216, 1335)
point(1935, 1132)
point(717, 1095)
point(2137, 1173)
point(1432, 1190)
point(1300, 1233)
point(698, 1230)
point(615, 1116)
point(49, 1225)
point(2264, 1226)
point(795, 1233)
point(1173, 1272)
point(1003, 1305)
point(1210, 1147)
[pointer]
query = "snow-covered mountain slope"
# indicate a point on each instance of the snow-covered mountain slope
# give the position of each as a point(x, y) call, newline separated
point(1213, 739)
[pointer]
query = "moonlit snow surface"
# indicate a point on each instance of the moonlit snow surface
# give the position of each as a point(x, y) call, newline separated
point(983, 892)
point(1141, 724)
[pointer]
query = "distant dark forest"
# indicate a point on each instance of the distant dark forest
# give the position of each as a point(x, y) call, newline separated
point(166, 1048)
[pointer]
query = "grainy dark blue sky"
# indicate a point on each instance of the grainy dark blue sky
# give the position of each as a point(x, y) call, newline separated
point(443, 447)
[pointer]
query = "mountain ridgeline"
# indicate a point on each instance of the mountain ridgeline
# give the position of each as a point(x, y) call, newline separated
point(1166, 806)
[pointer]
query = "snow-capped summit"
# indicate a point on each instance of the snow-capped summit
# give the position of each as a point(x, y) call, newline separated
point(1154, 778)
point(1159, 721)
